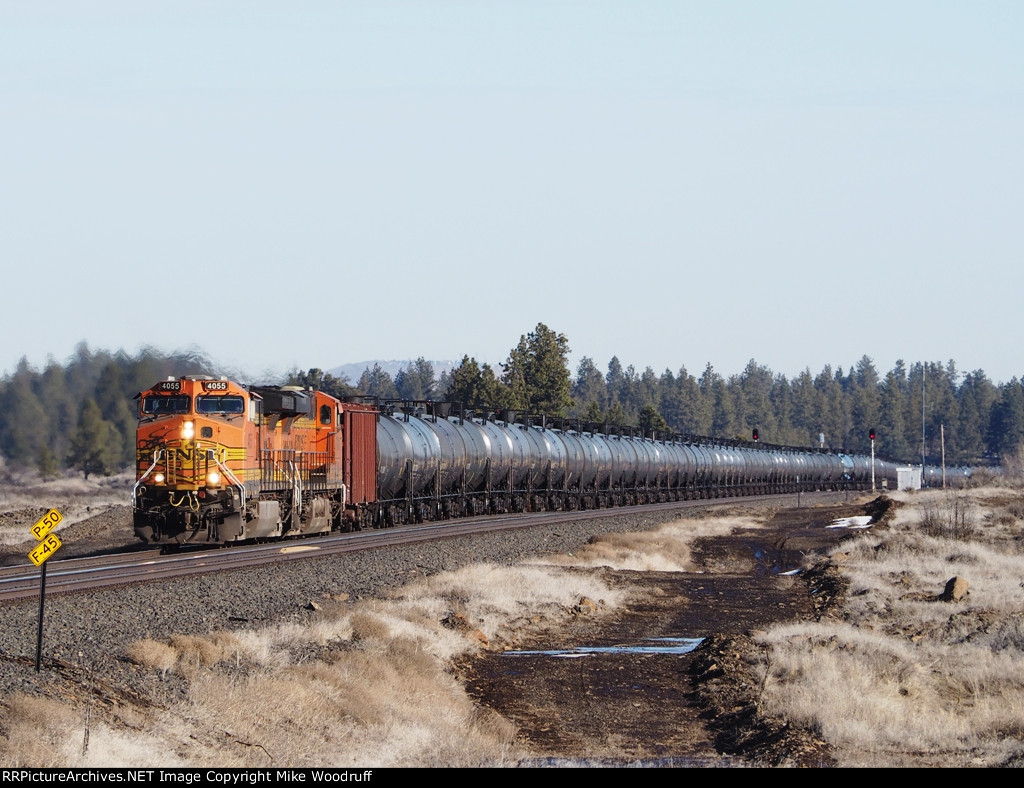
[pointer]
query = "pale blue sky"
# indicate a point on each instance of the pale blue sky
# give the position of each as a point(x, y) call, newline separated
point(318, 183)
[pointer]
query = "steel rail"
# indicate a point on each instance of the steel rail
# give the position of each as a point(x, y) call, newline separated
point(77, 575)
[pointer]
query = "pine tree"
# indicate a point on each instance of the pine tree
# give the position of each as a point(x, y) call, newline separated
point(1006, 430)
point(650, 420)
point(615, 380)
point(593, 413)
point(892, 428)
point(589, 387)
point(47, 463)
point(755, 402)
point(723, 419)
point(318, 380)
point(377, 383)
point(828, 406)
point(537, 372)
point(113, 402)
point(465, 384)
point(977, 399)
point(95, 446)
point(514, 376)
point(683, 404)
point(804, 414)
point(416, 382)
point(866, 406)
point(617, 416)
point(61, 410)
point(23, 422)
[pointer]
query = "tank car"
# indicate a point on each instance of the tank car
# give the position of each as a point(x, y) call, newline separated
point(433, 464)
point(219, 463)
point(935, 476)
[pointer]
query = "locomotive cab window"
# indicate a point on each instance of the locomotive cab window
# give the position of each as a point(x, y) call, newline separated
point(167, 405)
point(325, 414)
point(230, 405)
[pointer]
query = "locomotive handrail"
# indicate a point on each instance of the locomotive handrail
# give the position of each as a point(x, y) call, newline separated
point(135, 488)
point(233, 479)
point(297, 486)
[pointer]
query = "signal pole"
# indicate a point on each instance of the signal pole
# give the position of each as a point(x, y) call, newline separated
point(871, 435)
point(923, 442)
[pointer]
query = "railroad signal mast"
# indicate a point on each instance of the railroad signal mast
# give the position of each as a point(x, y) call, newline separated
point(871, 434)
point(756, 436)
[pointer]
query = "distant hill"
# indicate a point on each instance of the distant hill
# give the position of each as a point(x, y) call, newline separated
point(354, 371)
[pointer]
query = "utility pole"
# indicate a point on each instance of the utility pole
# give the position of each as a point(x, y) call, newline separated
point(942, 435)
point(923, 373)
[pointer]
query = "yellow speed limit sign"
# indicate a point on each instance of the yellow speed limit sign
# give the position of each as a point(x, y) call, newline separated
point(45, 549)
point(47, 523)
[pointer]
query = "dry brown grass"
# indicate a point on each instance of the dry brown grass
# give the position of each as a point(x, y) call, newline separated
point(35, 732)
point(904, 678)
point(153, 654)
point(666, 549)
point(376, 690)
point(394, 705)
point(950, 516)
point(366, 684)
point(1013, 465)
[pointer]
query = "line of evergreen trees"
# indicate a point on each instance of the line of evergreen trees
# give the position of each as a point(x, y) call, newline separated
point(81, 415)
point(979, 420)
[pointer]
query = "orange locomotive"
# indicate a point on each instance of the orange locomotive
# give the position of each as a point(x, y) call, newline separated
point(218, 462)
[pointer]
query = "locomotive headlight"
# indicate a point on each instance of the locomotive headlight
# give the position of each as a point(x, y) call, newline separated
point(213, 478)
point(188, 430)
point(158, 478)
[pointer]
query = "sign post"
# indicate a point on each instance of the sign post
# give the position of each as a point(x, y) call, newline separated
point(48, 545)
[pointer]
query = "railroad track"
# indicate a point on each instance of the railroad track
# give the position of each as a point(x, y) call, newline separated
point(80, 575)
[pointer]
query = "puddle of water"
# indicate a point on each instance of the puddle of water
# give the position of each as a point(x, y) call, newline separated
point(649, 646)
point(767, 565)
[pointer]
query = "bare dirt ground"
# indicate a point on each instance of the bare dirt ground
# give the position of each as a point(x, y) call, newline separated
point(697, 708)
